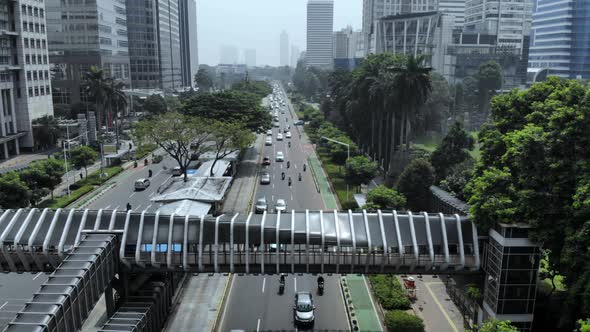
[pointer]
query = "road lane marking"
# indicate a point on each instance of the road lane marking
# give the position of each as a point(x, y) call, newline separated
point(291, 195)
point(117, 207)
point(149, 206)
point(444, 312)
point(160, 171)
point(107, 207)
point(137, 208)
point(273, 186)
point(295, 284)
point(295, 165)
point(258, 325)
point(263, 284)
point(135, 192)
point(5, 303)
point(153, 193)
point(272, 198)
point(37, 276)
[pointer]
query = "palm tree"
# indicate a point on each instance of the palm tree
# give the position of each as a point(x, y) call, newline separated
point(46, 131)
point(96, 86)
point(413, 87)
point(117, 99)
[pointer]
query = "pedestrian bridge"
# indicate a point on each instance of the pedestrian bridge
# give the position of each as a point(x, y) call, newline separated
point(295, 242)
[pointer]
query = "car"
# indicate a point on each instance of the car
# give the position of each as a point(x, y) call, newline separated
point(299, 123)
point(280, 156)
point(265, 178)
point(269, 132)
point(303, 310)
point(288, 134)
point(268, 140)
point(176, 171)
point(276, 124)
point(266, 161)
point(261, 205)
point(141, 184)
point(286, 129)
point(281, 205)
point(279, 137)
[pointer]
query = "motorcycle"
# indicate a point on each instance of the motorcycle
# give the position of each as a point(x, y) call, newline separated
point(281, 287)
point(283, 175)
point(299, 176)
point(304, 167)
point(288, 164)
point(289, 181)
point(321, 288)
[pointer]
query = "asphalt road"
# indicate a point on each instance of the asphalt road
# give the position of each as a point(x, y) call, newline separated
point(253, 302)
point(124, 192)
point(15, 290)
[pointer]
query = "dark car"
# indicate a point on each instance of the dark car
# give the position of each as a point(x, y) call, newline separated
point(299, 123)
point(303, 310)
point(266, 161)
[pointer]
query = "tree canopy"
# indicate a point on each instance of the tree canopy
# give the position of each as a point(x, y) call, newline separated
point(535, 168)
point(83, 156)
point(14, 192)
point(258, 88)
point(414, 183)
point(453, 150)
point(382, 197)
point(360, 170)
point(155, 104)
point(230, 106)
point(494, 325)
point(203, 80)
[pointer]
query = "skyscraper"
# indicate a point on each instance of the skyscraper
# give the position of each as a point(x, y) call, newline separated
point(284, 49)
point(92, 33)
point(455, 8)
point(250, 57)
point(513, 26)
point(376, 9)
point(189, 53)
point(25, 89)
point(562, 48)
point(154, 44)
point(320, 23)
point(228, 55)
point(295, 55)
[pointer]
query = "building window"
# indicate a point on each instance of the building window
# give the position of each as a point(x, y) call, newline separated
point(34, 58)
point(45, 59)
point(30, 92)
point(25, 26)
point(41, 12)
point(26, 42)
point(35, 75)
point(28, 76)
point(36, 91)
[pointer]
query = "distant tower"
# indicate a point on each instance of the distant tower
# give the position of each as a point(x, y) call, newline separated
point(284, 49)
point(320, 24)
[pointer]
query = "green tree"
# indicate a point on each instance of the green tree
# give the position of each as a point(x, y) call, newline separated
point(173, 103)
point(452, 151)
point(583, 325)
point(117, 100)
point(311, 85)
point(489, 79)
point(54, 170)
point(230, 106)
point(401, 321)
point(359, 170)
point(382, 198)
point(496, 326)
point(229, 138)
point(96, 86)
point(414, 183)
point(203, 80)
point(34, 177)
point(435, 110)
point(82, 157)
point(155, 104)
point(458, 178)
point(46, 131)
point(14, 193)
point(259, 88)
point(178, 135)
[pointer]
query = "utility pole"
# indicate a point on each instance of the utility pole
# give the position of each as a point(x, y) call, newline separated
point(66, 157)
point(347, 155)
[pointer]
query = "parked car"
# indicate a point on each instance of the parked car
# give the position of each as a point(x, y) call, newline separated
point(281, 205)
point(303, 310)
point(261, 205)
point(266, 161)
point(299, 123)
point(280, 156)
point(265, 178)
point(141, 184)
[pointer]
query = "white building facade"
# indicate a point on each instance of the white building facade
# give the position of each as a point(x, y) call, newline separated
point(25, 86)
point(284, 49)
point(320, 24)
point(456, 8)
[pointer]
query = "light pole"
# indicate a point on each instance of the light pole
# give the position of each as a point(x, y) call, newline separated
point(347, 154)
point(66, 157)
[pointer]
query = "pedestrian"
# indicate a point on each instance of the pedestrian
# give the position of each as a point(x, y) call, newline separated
point(81, 176)
point(130, 146)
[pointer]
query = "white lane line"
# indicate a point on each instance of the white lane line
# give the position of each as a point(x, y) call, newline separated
point(263, 284)
point(295, 284)
point(149, 206)
point(157, 173)
point(107, 207)
point(291, 195)
point(135, 192)
point(295, 165)
point(5, 303)
point(117, 207)
point(258, 325)
point(281, 166)
point(38, 275)
point(273, 186)
point(153, 193)
point(137, 208)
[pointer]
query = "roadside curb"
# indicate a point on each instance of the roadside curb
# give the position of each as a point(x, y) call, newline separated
point(313, 175)
point(350, 312)
point(220, 310)
point(249, 208)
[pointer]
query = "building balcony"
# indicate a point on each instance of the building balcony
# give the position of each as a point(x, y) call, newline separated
point(4, 32)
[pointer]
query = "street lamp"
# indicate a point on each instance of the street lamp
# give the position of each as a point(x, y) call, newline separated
point(347, 154)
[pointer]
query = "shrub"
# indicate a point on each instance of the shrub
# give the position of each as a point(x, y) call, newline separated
point(389, 292)
point(400, 321)
point(66, 200)
point(349, 205)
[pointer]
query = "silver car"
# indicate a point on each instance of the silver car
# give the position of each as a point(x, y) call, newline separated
point(281, 205)
point(303, 310)
point(261, 205)
point(265, 178)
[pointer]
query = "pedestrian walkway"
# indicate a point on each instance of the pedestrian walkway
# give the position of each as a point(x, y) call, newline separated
point(364, 308)
point(322, 181)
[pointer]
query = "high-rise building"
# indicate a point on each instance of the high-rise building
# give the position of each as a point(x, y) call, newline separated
point(228, 55)
point(320, 23)
point(373, 10)
point(154, 44)
point(456, 8)
point(92, 33)
point(189, 53)
point(250, 57)
point(347, 46)
point(559, 40)
point(295, 55)
point(25, 88)
point(510, 21)
point(284, 41)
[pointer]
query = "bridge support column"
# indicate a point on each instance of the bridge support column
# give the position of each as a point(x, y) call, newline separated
point(511, 266)
point(109, 300)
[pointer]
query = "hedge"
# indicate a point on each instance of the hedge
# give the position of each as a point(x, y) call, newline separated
point(66, 200)
point(401, 321)
point(389, 292)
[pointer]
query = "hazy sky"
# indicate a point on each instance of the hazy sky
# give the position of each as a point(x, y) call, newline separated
point(257, 24)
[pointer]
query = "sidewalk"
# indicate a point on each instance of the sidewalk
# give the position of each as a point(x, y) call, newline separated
point(365, 309)
point(23, 160)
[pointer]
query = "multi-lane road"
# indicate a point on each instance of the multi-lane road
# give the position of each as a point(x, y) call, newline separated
point(254, 303)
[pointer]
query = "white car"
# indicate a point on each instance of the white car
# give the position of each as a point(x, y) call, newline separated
point(269, 132)
point(280, 156)
point(288, 134)
point(281, 205)
point(268, 140)
point(279, 137)
point(141, 184)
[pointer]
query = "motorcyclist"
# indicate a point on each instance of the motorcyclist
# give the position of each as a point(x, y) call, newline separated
point(282, 279)
point(289, 181)
point(149, 173)
point(320, 281)
point(304, 167)
point(283, 175)
point(299, 176)
point(145, 162)
point(288, 164)
point(289, 144)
